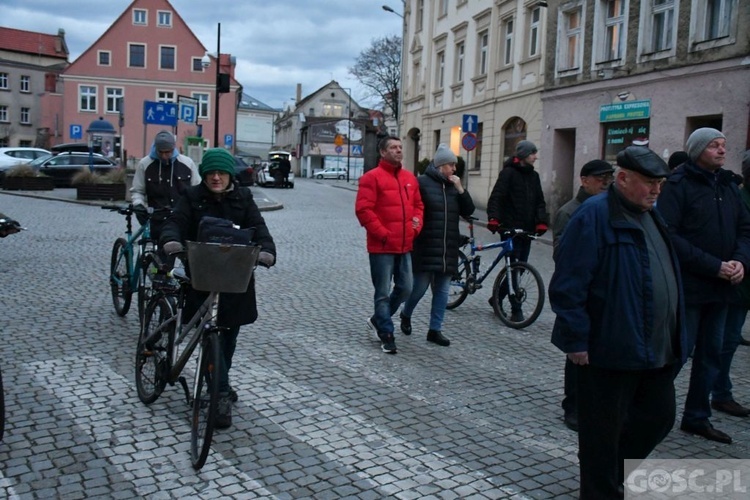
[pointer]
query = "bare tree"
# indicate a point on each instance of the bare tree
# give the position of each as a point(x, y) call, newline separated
point(378, 68)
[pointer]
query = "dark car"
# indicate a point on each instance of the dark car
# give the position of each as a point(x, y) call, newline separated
point(62, 167)
point(243, 172)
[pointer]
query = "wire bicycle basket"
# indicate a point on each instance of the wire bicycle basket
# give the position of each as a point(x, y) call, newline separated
point(217, 267)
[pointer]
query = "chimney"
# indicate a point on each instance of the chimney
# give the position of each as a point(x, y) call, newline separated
point(299, 92)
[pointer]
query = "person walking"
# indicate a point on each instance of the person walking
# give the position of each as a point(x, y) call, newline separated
point(710, 229)
point(596, 176)
point(390, 208)
point(517, 202)
point(616, 292)
point(435, 255)
point(160, 179)
point(219, 196)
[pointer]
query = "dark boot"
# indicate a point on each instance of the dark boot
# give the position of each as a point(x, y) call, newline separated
point(436, 336)
point(405, 324)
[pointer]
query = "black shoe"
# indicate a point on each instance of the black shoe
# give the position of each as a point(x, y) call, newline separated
point(388, 344)
point(744, 341)
point(232, 395)
point(437, 337)
point(731, 407)
point(224, 412)
point(571, 421)
point(405, 324)
point(707, 431)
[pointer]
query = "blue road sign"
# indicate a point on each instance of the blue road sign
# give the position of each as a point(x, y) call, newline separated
point(469, 141)
point(76, 131)
point(357, 150)
point(187, 113)
point(469, 123)
point(339, 149)
point(160, 113)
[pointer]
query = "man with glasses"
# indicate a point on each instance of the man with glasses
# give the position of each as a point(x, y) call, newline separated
point(710, 230)
point(596, 176)
point(616, 292)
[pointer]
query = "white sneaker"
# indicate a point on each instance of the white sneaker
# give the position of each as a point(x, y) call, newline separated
point(373, 330)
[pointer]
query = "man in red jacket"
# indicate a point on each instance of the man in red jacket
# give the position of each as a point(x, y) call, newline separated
point(390, 208)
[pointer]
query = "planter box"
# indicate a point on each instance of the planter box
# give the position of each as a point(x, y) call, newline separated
point(28, 183)
point(100, 191)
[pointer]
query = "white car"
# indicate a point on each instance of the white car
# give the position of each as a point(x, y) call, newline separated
point(10, 157)
point(264, 177)
point(332, 173)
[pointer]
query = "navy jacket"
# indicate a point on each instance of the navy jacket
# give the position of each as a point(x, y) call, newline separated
point(708, 224)
point(602, 286)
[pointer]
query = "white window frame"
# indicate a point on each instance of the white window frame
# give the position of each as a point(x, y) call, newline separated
point(4, 81)
point(24, 84)
point(564, 34)
point(164, 18)
point(603, 27)
point(483, 52)
point(420, 15)
point(166, 96)
point(699, 19)
point(203, 104)
point(140, 17)
point(3, 113)
point(174, 57)
point(460, 61)
point(89, 93)
point(535, 31)
point(440, 70)
point(442, 8)
point(508, 25)
point(145, 55)
point(648, 21)
point(100, 53)
point(113, 98)
point(25, 116)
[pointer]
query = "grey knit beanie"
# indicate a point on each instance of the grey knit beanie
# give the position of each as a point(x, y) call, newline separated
point(444, 155)
point(164, 141)
point(699, 139)
point(525, 148)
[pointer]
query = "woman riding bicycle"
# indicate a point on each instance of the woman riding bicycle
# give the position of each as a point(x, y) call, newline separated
point(219, 196)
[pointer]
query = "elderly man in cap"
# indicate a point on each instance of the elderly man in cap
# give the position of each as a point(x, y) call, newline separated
point(620, 319)
point(596, 176)
point(160, 179)
point(710, 230)
point(219, 196)
point(517, 202)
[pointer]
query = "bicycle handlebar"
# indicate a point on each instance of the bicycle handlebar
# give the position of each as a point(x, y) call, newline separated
point(129, 209)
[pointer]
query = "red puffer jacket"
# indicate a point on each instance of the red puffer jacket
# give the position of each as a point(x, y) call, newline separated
point(387, 200)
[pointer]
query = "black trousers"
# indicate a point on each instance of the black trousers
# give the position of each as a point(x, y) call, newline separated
point(621, 414)
point(570, 401)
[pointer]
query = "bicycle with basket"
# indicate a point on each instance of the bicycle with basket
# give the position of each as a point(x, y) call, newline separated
point(518, 301)
point(166, 344)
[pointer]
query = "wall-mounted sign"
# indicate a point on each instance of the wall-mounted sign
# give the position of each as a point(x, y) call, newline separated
point(625, 111)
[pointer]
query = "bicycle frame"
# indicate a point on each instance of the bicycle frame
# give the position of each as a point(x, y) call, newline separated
point(506, 247)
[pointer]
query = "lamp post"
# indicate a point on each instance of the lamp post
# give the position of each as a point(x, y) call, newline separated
point(206, 62)
point(401, 69)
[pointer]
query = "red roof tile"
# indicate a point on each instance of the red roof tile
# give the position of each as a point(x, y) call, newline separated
point(31, 42)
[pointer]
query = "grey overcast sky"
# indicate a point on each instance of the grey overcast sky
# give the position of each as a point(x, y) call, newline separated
point(277, 43)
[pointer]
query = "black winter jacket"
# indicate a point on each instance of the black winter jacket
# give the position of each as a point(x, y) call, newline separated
point(517, 200)
point(436, 246)
point(238, 206)
point(708, 224)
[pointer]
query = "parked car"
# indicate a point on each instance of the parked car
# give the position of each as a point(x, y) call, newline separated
point(266, 178)
point(73, 147)
point(10, 157)
point(62, 167)
point(332, 173)
point(244, 173)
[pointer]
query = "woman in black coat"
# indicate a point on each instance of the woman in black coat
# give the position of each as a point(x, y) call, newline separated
point(435, 254)
point(219, 196)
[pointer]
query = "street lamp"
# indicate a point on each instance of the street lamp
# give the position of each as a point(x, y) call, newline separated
point(400, 93)
point(221, 85)
point(389, 9)
point(348, 132)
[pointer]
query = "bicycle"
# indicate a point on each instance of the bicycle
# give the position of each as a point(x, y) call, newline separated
point(518, 302)
point(131, 271)
point(163, 350)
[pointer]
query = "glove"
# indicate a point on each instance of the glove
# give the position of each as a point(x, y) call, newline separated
point(266, 259)
point(540, 229)
point(141, 213)
point(172, 247)
point(493, 225)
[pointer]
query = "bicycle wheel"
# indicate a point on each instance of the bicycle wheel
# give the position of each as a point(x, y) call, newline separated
point(151, 361)
point(522, 308)
point(119, 277)
point(205, 399)
point(458, 290)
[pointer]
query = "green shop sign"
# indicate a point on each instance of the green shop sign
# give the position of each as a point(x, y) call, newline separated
point(622, 111)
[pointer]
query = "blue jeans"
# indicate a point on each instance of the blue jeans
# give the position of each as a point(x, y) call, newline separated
point(385, 267)
point(705, 331)
point(440, 283)
point(228, 342)
point(732, 335)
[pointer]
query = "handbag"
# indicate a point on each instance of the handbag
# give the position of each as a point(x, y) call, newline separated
point(223, 231)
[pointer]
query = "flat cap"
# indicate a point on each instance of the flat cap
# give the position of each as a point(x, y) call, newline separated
point(644, 161)
point(596, 167)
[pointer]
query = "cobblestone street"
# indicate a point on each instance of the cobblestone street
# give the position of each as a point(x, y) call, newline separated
point(322, 411)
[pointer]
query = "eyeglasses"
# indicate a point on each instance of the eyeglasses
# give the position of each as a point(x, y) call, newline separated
point(604, 177)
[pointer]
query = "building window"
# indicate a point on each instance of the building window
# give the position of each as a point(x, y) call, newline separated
point(420, 15)
point(136, 55)
point(26, 116)
point(114, 99)
point(662, 25)
point(534, 31)
point(3, 113)
point(478, 150)
point(569, 47)
point(105, 58)
point(612, 46)
point(197, 64)
point(86, 98)
point(443, 8)
point(25, 83)
point(202, 104)
point(508, 41)
point(165, 96)
point(335, 110)
point(514, 132)
point(460, 48)
point(482, 55)
point(440, 75)
point(167, 57)
point(717, 16)
point(140, 17)
point(165, 18)
point(4, 81)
